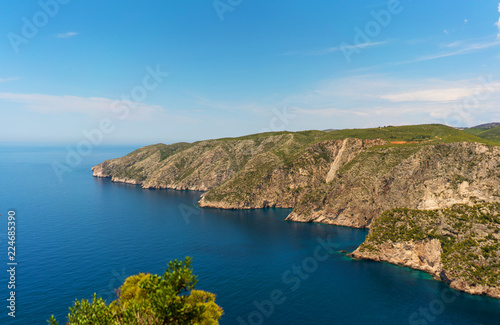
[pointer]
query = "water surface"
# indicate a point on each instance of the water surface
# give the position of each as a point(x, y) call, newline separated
point(81, 235)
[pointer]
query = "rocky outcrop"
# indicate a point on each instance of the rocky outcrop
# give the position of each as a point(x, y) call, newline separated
point(268, 182)
point(424, 255)
point(199, 166)
point(356, 178)
point(326, 177)
point(459, 245)
point(421, 177)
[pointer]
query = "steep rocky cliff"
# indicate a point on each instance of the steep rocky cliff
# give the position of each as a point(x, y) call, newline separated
point(419, 177)
point(343, 177)
point(350, 178)
point(459, 245)
point(271, 182)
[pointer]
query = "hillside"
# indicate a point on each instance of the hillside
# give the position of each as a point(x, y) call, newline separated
point(343, 177)
point(419, 177)
point(486, 126)
point(489, 131)
point(459, 245)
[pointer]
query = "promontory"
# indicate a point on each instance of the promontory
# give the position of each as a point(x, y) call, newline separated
point(357, 178)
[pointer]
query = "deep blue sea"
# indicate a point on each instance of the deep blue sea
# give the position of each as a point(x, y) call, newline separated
point(79, 235)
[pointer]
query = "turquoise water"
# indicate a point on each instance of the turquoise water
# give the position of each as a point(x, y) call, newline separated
point(83, 235)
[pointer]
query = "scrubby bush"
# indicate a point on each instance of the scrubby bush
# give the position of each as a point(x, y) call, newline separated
point(151, 299)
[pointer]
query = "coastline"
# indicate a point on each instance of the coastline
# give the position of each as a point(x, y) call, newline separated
point(423, 256)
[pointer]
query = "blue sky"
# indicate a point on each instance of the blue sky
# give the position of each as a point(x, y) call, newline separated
point(167, 71)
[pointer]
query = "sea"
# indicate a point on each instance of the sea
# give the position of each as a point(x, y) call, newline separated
point(76, 235)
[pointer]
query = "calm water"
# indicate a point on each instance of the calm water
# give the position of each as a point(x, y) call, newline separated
point(83, 235)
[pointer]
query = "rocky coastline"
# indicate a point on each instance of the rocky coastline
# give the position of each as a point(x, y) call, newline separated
point(338, 180)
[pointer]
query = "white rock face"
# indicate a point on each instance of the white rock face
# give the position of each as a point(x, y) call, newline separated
point(424, 256)
point(419, 255)
point(431, 177)
point(469, 234)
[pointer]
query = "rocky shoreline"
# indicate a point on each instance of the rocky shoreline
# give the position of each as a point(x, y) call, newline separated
point(345, 182)
point(341, 182)
point(459, 245)
point(426, 257)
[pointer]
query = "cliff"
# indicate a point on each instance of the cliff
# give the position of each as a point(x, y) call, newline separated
point(345, 177)
point(351, 178)
point(270, 182)
point(459, 245)
point(419, 177)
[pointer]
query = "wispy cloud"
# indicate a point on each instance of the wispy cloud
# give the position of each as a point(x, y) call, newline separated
point(231, 107)
point(440, 91)
point(67, 35)
point(365, 100)
point(430, 95)
point(40, 117)
point(334, 49)
point(326, 112)
point(8, 79)
point(498, 24)
point(87, 106)
point(459, 103)
point(454, 44)
point(461, 48)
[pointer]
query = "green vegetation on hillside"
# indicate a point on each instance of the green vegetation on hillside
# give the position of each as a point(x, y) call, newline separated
point(491, 133)
point(331, 176)
point(380, 160)
point(426, 133)
point(469, 237)
point(147, 299)
point(284, 147)
point(410, 134)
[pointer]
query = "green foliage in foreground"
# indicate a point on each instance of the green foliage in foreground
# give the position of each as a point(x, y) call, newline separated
point(151, 299)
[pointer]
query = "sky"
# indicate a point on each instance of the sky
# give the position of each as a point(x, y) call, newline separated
point(141, 72)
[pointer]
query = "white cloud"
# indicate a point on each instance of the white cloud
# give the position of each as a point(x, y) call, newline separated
point(498, 24)
point(430, 95)
point(456, 103)
point(335, 49)
point(452, 44)
point(440, 91)
point(326, 112)
point(8, 79)
point(377, 99)
point(86, 106)
point(464, 47)
point(67, 35)
point(229, 106)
